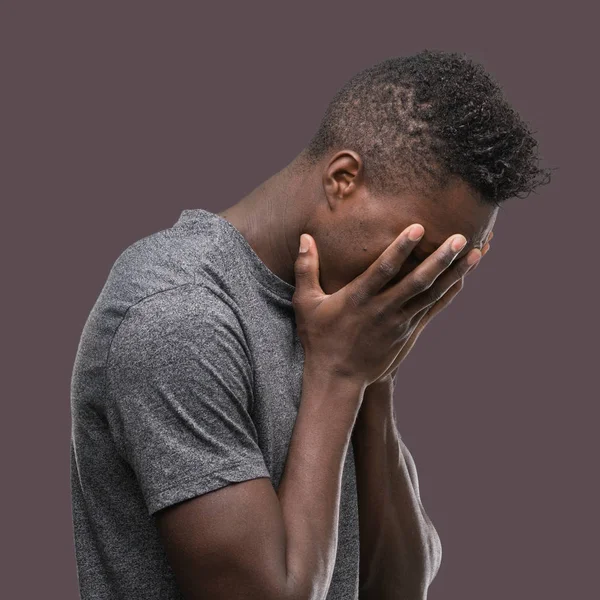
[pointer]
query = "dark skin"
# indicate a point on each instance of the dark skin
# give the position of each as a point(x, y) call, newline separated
point(333, 205)
point(244, 540)
point(350, 225)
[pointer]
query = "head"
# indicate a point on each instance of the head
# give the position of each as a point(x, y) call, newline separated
point(426, 139)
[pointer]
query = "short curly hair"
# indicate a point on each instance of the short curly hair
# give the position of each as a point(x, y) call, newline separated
point(417, 120)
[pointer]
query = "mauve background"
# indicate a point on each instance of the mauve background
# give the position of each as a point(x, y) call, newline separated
point(118, 115)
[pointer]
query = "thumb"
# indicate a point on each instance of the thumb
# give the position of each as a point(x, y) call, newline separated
point(306, 268)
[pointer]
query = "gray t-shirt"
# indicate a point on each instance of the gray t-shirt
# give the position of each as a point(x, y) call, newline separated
point(188, 377)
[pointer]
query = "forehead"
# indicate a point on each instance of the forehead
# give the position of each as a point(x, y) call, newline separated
point(454, 209)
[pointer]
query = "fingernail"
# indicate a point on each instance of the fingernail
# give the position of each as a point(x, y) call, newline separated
point(304, 243)
point(474, 258)
point(458, 243)
point(415, 232)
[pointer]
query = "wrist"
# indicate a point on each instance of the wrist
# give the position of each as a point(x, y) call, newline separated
point(387, 382)
point(378, 402)
point(376, 416)
point(329, 373)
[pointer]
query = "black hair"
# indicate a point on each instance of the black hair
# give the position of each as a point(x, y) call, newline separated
point(417, 120)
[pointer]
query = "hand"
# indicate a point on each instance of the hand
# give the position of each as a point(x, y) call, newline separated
point(358, 331)
point(427, 314)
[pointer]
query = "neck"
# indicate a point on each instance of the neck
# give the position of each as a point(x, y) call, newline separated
point(272, 217)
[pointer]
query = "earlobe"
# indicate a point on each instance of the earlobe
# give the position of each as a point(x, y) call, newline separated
point(331, 190)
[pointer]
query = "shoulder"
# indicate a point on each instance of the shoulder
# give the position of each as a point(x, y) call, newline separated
point(184, 318)
point(185, 340)
point(157, 261)
point(164, 260)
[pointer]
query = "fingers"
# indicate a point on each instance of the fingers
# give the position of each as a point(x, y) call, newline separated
point(421, 280)
point(436, 298)
point(424, 276)
point(306, 269)
point(388, 264)
point(450, 277)
point(447, 285)
point(484, 251)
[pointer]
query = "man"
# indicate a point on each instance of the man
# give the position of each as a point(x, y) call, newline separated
point(233, 428)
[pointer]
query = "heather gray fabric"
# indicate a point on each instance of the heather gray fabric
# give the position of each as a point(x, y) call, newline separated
point(188, 377)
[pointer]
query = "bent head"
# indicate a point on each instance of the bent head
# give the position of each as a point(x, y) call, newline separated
point(426, 139)
point(352, 225)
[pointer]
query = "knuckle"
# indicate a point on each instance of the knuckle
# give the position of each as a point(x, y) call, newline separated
point(386, 268)
point(420, 280)
point(357, 297)
point(300, 267)
point(379, 315)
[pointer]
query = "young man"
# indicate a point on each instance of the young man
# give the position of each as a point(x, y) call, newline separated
point(222, 375)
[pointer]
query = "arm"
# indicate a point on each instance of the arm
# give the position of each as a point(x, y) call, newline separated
point(181, 389)
point(400, 554)
point(400, 551)
point(281, 546)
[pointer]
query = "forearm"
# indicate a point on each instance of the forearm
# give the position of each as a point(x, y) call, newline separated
point(310, 489)
point(399, 548)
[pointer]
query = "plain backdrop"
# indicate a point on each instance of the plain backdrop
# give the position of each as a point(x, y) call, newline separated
point(118, 115)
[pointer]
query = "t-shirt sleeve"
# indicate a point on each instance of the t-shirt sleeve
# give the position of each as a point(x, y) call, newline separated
point(180, 394)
